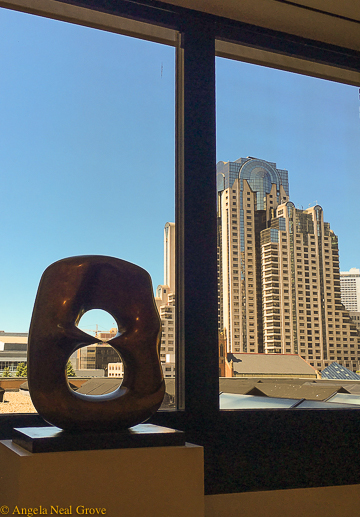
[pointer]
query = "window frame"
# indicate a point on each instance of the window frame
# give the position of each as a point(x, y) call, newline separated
point(251, 449)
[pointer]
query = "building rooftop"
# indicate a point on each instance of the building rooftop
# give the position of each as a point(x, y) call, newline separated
point(336, 371)
point(13, 334)
point(99, 386)
point(266, 393)
point(270, 365)
point(233, 401)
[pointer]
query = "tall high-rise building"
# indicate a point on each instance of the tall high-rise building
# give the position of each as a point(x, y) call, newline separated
point(165, 302)
point(302, 309)
point(249, 190)
point(279, 280)
point(350, 289)
point(169, 256)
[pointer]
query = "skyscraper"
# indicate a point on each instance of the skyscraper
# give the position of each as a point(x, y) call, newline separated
point(249, 190)
point(165, 302)
point(302, 309)
point(279, 280)
point(169, 256)
point(350, 289)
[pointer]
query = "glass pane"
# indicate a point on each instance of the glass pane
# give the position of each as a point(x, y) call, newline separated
point(165, 302)
point(87, 161)
point(311, 404)
point(234, 401)
point(287, 174)
point(345, 398)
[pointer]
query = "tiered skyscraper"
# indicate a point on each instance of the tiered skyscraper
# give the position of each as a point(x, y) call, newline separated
point(249, 192)
point(279, 280)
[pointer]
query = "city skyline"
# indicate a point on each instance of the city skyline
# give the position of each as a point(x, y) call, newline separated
point(278, 271)
point(86, 165)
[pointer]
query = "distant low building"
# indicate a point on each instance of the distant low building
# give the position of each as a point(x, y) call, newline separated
point(13, 350)
point(108, 334)
point(89, 357)
point(97, 356)
point(115, 370)
point(269, 365)
point(89, 373)
point(337, 371)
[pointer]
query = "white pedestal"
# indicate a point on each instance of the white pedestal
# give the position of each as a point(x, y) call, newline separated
point(143, 482)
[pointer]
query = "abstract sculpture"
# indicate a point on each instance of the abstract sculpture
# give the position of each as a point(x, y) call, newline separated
point(68, 289)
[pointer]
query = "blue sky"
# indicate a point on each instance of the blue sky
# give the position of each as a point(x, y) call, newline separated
point(309, 126)
point(86, 152)
point(87, 149)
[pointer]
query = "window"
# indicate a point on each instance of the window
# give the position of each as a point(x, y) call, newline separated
point(71, 123)
point(196, 99)
point(266, 103)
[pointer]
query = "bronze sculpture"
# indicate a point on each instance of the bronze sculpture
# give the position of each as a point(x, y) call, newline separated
point(68, 289)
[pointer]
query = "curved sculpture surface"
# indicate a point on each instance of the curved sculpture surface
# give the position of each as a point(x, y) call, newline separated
point(68, 289)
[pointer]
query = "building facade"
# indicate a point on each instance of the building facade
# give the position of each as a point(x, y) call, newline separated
point(13, 350)
point(107, 335)
point(302, 309)
point(165, 303)
point(249, 190)
point(350, 289)
point(97, 357)
point(278, 271)
point(115, 370)
point(355, 316)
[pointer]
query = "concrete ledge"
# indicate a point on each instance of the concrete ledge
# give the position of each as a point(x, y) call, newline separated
point(334, 501)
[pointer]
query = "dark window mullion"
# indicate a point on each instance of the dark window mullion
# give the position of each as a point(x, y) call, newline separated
point(197, 371)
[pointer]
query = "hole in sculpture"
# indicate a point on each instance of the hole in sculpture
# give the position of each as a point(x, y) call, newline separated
point(98, 323)
point(96, 369)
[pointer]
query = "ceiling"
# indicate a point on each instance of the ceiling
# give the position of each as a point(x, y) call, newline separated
point(329, 21)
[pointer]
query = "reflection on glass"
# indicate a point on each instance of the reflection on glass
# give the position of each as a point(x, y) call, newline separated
point(287, 178)
point(87, 161)
point(234, 401)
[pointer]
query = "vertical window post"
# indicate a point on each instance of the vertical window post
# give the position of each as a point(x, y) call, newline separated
point(197, 366)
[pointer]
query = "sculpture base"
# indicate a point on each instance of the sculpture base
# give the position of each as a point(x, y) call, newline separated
point(139, 482)
point(54, 439)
